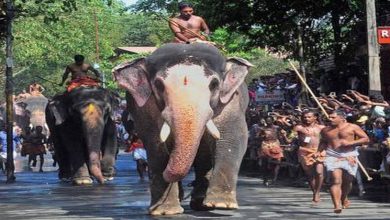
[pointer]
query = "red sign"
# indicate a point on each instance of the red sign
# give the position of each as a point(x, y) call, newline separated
point(383, 35)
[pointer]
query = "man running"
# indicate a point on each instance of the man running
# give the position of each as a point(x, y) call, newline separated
point(340, 140)
point(310, 158)
point(187, 27)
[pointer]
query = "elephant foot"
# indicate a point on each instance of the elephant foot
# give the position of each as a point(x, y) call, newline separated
point(82, 181)
point(197, 205)
point(109, 173)
point(225, 200)
point(165, 209)
point(110, 178)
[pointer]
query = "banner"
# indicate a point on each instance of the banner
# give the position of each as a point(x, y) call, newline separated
point(270, 97)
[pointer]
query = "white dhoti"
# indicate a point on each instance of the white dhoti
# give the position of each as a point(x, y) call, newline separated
point(346, 161)
point(139, 153)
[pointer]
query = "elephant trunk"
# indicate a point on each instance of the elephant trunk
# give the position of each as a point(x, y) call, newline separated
point(187, 129)
point(93, 132)
point(94, 166)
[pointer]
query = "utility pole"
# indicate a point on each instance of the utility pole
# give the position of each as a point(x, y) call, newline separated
point(304, 96)
point(96, 35)
point(374, 77)
point(10, 167)
point(97, 65)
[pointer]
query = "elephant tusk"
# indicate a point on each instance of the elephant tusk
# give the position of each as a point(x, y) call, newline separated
point(165, 131)
point(213, 129)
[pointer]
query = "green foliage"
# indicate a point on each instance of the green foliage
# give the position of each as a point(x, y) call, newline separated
point(146, 30)
point(327, 27)
point(236, 45)
point(46, 48)
point(231, 41)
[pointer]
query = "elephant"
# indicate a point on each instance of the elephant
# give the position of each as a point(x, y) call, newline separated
point(83, 132)
point(30, 111)
point(188, 103)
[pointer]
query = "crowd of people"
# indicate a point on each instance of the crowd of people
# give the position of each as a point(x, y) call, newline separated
point(353, 129)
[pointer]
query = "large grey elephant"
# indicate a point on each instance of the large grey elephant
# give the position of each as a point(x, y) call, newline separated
point(84, 134)
point(188, 103)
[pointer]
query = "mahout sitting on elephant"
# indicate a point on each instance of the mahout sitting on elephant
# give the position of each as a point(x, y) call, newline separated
point(83, 133)
point(174, 96)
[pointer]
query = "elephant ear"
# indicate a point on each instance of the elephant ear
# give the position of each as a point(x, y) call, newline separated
point(59, 111)
point(235, 72)
point(132, 76)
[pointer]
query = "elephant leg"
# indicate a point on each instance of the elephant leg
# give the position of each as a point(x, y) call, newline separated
point(62, 157)
point(65, 170)
point(202, 167)
point(165, 196)
point(78, 161)
point(109, 147)
point(229, 152)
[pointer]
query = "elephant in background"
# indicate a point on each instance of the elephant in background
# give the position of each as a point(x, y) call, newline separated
point(188, 103)
point(30, 111)
point(83, 133)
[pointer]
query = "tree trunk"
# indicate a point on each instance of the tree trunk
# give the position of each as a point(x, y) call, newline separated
point(8, 92)
point(337, 38)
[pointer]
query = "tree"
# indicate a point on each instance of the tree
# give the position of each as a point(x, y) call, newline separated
point(143, 29)
point(327, 26)
point(43, 49)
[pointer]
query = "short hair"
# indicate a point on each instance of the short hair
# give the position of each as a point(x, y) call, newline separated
point(339, 112)
point(183, 5)
point(78, 58)
point(308, 110)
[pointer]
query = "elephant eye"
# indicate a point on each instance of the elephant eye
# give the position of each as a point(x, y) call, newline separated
point(159, 85)
point(214, 84)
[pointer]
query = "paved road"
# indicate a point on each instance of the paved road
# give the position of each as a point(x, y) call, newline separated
point(41, 196)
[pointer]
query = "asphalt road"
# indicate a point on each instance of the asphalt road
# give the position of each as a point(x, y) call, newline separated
point(37, 195)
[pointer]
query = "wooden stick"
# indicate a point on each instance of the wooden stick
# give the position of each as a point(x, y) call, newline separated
point(369, 178)
point(186, 29)
point(308, 88)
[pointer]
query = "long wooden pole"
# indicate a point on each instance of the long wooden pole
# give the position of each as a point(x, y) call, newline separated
point(180, 26)
point(10, 167)
point(369, 178)
point(185, 28)
point(308, 89)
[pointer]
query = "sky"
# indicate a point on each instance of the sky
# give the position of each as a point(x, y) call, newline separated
point(129, 2)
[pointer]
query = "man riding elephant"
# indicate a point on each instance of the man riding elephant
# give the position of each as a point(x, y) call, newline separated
point(187, 27)
point(79, 74)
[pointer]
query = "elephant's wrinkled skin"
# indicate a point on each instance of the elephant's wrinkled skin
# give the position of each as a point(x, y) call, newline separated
point(83, 134)
point(174, 96)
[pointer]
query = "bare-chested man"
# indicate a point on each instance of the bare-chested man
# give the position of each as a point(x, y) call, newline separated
point(340, 140)
point(185, 23)
point(79, 71)
point(310, 157)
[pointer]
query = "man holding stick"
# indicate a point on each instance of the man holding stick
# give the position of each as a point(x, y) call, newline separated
point(187, 27)
point(341, 139)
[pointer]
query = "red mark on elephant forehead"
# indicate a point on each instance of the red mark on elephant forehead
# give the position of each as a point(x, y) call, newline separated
point(185, 80)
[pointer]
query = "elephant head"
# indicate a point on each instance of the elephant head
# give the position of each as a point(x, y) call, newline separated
point(190, 84)
point(35, 105)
